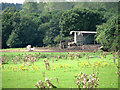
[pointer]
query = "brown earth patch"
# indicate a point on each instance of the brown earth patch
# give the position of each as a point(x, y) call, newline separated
point(84, 48)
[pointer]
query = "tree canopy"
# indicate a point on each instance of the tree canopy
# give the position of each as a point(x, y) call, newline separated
point(79, 19)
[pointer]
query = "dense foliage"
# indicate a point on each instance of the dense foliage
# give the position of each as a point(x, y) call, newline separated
point(46, 23)
point(79, 19)
point(108, 34)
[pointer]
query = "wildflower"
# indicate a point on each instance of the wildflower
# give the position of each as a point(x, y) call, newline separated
point(84, 79)
point(80, 72)
point(21, 67)
point(97, 72)
point(77, 82)
point(75, 75)
point(50, 87)
point(60, 66)
point(38, 83)
point(95, 84)
point(64, 66)
point(86, 64)
point(69, 66)
point(79, 75)
point(99, 62)
point(34, 66)
point(93, 75)
point(93, 65)
point(46, 79)
point(104, 63)
point(84, 86)
point(54, 68)
point(93, 79)
point(83, 82)
point(70, 57)
point(83, 74)
point(83, 63)
point(97, 66)
point(89, 81)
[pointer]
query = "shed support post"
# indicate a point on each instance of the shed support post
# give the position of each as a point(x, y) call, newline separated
point(75, 41)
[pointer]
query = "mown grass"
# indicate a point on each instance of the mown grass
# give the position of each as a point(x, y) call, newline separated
point(16, 78)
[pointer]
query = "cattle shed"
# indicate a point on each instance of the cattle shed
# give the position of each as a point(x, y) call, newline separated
point(83, 37)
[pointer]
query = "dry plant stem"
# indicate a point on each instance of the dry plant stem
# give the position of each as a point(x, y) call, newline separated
point(87, 56)
point(47, 65)
point(57, 80)
point(79, 87)
point(50, 84)
point(45, 84)
point(52, 61)
point(44, 75)
point(114, 58)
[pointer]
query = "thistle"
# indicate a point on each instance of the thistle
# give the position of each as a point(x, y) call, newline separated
point(47, 65)
point(118, 73)
point(45, 84)
point(85, 81)
point(43, 74)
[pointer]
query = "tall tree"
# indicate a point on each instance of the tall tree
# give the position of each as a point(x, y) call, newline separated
point(53, 30)
point(6, 5)
point(108, 34)
point(79, 19)
point(63, 6)
point(29, 8)
point(8, 20)
point(23, 34)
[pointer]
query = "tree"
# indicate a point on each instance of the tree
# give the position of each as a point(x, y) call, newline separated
point(53, 29)
point(42, 25)
point(24, 33)
point(29, 8)
point(108, 34)
point(41, 7)
point(79, 19)
point(6, 5)
point(8, 20)
point(62, 6)
point(42, 30)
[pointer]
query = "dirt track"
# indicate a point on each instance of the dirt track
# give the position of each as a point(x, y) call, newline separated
point(16, 50)
point(85, 48)
point(25, 50)
point(44, 50)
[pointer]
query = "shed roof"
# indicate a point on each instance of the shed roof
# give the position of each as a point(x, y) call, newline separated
point(83, 32)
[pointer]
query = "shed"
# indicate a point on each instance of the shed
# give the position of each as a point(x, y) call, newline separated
point(83, 37)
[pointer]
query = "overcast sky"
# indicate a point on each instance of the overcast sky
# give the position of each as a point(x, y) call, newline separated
point(21, 1)
point(12, 1)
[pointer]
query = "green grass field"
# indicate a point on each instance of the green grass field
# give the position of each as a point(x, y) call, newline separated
point(65, 68)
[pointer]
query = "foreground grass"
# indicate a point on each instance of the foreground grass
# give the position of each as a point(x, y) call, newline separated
point(13, 77)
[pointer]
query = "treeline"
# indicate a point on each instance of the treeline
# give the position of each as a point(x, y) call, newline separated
point(46, 23)
point(17, 6)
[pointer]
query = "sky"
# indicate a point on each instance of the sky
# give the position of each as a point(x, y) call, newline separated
point(21, 1)
point(12, 1)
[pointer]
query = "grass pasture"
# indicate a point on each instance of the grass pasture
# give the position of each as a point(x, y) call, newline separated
point(63, 66)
